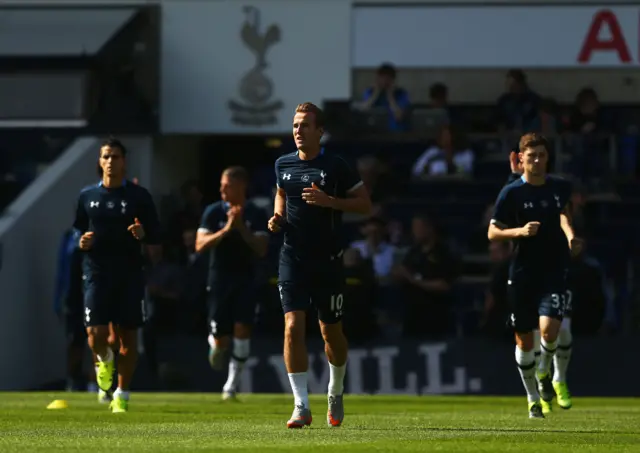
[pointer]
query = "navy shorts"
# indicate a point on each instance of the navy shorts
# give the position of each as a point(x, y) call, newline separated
point(320, 283)
point(230, 301)
point(532, 295)
point(114, 298)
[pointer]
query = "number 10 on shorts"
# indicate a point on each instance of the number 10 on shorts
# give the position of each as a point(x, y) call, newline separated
point(337, 301)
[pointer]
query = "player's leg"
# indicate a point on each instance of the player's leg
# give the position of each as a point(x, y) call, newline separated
point(128, 319)
point(524, 320)
point(329, 300)
point(295, 298)
point(244, 311)
point(295, 302)
point(104, 397)
point(97, 316)
point(241, 346)
point(76, 344)
point(550, 310)
point(561, 363)
point(220, 319)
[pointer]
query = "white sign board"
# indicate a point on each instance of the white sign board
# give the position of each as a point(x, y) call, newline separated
point(241, 67)
point(497, 36)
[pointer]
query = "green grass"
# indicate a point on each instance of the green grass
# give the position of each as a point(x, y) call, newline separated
point(199, 423)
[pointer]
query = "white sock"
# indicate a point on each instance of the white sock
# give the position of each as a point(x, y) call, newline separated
point(547, 351)
point(239, 356)
point(527, 367)
point(119, 393)
point(300, 390)
point(563, 356)
point(107, 358)
point(336, 379)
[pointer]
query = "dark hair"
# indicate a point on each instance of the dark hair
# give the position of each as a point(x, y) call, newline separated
point(310, 107)
point(238, 173)
point(585, 94)
point(438, 91)
point(188, 185)
point(387, 69)
point(113, 142)
point(518, 75)
point(531, 140)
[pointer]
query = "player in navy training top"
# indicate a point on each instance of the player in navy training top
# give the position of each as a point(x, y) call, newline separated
point(565, 338)
point(314, 188)
point(234, 231)
point(533, 212)
point(113, 219)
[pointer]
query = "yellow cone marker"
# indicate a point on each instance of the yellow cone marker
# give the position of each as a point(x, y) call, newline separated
point(58, 404)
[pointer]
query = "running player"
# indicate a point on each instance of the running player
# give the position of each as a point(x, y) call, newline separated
point(314, 188)
point(565, 339)
point(113, 219)
point(234, 231)
point(532, 211)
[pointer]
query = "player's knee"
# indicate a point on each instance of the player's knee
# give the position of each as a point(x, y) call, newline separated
point(97, 335)
point(525, 341)
point(241, 348)
point(241, 331)
point(294, 325)
point(332, 333)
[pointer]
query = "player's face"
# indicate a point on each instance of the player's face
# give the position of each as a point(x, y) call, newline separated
point(305, 132)
point(534, 160)
point(231, 189)
point(112, 161)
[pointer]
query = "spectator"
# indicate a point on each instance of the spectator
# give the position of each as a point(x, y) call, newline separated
point(439, 99)
point(386, 95)
point(376, 248)
point(588, 147)
point(360, 318)
point(376, 179)
point(589, 296)
point(451, 155)
point(518, 107)
point(426, 275)
point(496, 306)
point(189, 213)
point(546, 122)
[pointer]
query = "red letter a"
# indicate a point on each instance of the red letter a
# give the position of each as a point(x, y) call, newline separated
point(592, 42)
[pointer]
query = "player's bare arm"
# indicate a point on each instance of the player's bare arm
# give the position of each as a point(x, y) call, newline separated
point(566, 223)
point(357, 200)
point(279, 211)
point(498, 232)
point(257, 241)
point(206, 240)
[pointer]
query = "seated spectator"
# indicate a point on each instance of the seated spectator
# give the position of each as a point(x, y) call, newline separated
point(546, 122)
point(518, 107)
point(375, 177)
point(451, 155)
point(375, 247)
point(426, 275)
point(384, 94)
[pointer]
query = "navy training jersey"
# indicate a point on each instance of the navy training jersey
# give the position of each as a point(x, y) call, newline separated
point(313, 231)
point(108, 213)
point(520, 203)
point(232, 254)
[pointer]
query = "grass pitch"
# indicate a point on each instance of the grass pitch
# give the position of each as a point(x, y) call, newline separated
point(202, 423)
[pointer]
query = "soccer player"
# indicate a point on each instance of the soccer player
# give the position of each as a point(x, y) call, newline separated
point(234, 230)
point(532, 211)
point(313, 189)
point(113, 219)
point(565, 339)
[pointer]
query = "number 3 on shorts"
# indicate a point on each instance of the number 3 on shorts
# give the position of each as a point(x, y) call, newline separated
point(336, 304)
point(557, 302)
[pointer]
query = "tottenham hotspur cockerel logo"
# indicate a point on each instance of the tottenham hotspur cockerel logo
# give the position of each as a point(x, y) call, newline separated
point(322, 176)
